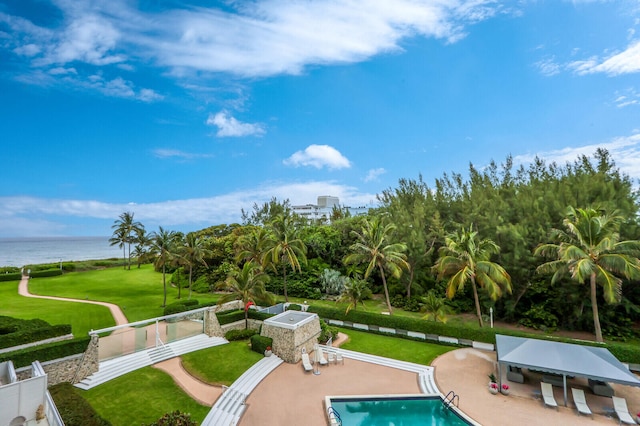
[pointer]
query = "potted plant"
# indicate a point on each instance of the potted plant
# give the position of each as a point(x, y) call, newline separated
point(505, 389)
point(492, 378)
point(493, 388)
point(638, 417)
point(267, 351)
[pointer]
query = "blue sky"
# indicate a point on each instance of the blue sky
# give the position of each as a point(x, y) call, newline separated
point(184, 112)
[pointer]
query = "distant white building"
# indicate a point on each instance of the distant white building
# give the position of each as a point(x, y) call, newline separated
point(322, 211)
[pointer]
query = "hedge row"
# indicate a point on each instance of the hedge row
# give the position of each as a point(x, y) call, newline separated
point(180, 306)
point(239, 334)
point(33, 335)
point(47, 273)
point(624, 352)
point(227, 317)
point(260, 343)
point(17, 324)
point(73, 408)
point(16, 276)
point(42, 353)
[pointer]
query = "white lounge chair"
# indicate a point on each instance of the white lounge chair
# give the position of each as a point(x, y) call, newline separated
point(547, 395)
point(332, 357)
point(306, 362)
point(581, 401)
point(339, 358)
point(620, 406)
point(321, 359)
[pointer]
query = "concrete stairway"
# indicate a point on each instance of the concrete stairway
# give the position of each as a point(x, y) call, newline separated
point(231, 404)
point(426, 380)
point(116, 367)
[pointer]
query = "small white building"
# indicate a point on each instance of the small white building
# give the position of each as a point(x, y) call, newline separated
point(26, 402)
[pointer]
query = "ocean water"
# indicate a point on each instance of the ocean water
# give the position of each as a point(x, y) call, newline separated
point(29, 251)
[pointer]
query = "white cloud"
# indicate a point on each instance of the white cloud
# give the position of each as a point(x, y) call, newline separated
point(175, 153)
point(62, 71)
point(318, 156)
point(625, 62)
point(548, 66)
point(373, 174)
point(228, 126)
point(260, 38)
point(119, 88)
point(626, 98)
point(624, 150)
point(27, 50)
point(23, 215)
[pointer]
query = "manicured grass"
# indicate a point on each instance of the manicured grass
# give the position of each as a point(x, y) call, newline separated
point(141, 397)
point(82, 317)
point(221, 365)
point(138, 292)
point(393, 347)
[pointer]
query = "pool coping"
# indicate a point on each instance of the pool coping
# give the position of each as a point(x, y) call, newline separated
point(332, 420)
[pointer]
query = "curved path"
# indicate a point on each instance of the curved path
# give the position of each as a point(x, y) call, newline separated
point(116, 312)
point(203, 393)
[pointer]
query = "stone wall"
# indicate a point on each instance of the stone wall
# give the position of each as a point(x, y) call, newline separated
point(239, 325)
point(70, 369)
point(211, 324)
point(288, 343)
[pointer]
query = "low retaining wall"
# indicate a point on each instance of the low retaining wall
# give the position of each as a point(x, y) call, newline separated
point(413, 334)
point(70, 369)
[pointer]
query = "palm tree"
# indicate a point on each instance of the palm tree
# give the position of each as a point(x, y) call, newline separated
point(284, 248)
point(355, 291)
point(247, 284)
point(590, 249)
point(141, 249)
point(120, 238)
point(251, 247)
point(465, 258)
point(193, 252)
point(371, 247)
point(124, 228)
point(163, 245)
point(435, 308)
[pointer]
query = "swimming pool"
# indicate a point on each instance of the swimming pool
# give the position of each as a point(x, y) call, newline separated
point(387, 410)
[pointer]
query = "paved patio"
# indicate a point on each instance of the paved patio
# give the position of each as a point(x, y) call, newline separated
point(291, 396)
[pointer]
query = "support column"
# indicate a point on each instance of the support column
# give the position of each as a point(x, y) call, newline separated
point(212, 327)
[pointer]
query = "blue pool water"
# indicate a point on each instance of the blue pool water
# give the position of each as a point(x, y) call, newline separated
point(406, 411)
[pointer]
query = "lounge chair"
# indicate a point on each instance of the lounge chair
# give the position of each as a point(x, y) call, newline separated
point(321, 359)
point(581, 402)
point(306, 362)
point(547, 395)
point(332, 357)
point(620, 406)
point(339, 358)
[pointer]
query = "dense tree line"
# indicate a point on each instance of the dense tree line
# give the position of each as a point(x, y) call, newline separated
point(492, 230)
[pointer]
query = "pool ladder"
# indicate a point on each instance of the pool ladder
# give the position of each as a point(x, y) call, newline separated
point(334, 417)
point(452, 398)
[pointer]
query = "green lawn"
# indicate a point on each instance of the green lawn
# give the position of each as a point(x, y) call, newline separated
point(393, 347)
point(142, 397)
point(374, 306)
point(221, 365)
point(82, 317)
point(138, 292)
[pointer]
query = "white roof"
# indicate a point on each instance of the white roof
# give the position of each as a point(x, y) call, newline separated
point(563, 358)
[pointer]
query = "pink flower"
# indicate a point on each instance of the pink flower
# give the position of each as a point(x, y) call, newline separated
point(505, 386)
point(493, 386)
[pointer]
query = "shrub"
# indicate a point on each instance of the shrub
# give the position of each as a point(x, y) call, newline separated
point(327, 331)
point(46, 273)
point(42, 353)
point(180, 306)
point(239, 334)
point(294, 307)
point(260, 343)
point(201, 285)
point(227, 317)
point(22, 337)
point(174, 419)
point(15, 276)
point(73, 408)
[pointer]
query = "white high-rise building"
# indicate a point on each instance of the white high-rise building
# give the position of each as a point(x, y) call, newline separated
point(322, 210)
